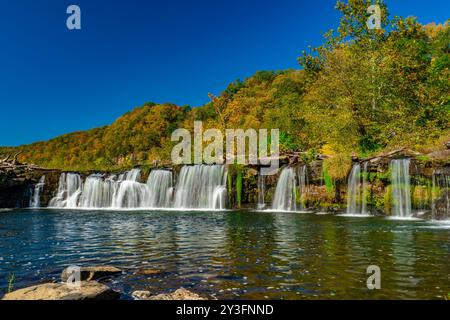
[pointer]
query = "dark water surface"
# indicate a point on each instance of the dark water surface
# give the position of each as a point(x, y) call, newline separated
point(237, 255)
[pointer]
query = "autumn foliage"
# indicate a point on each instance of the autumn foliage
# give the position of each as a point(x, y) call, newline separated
point(359, 93)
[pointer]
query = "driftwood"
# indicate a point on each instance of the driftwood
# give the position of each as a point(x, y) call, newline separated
point(7, 158)
point(15, 158)
point(394, 152)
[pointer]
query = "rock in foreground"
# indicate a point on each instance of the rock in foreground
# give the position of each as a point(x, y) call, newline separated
point(180, 294)
point(92, 273)
point(141, 295)
point(91, 290)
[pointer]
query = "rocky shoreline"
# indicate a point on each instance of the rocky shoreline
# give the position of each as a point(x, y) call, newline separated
point(17, 179)
point(90, 287)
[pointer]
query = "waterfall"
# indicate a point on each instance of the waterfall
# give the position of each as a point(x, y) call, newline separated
point(261, 191)
point(357, 190)
point(130, 192)
point(401, 188)
point(126, 191)
point(160, 185)
point(201, 187)
point(440, 202)
point(98, 192)
point(219, 197)
point(35, 200)
point(69, 189)
point(353, 190)
point(285, 198)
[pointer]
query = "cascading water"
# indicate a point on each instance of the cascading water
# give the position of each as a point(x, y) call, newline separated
point(116, 192)
point(160, 185)
point(130, 193)
point(261, 191)
point(285, 198)
point(440, 202)
point(126, 191)
point(69, 190)
point(35, 200)
point(98, 193)
point(201, 187)
point(401, 188)
point(357, 190)
point(353, 190)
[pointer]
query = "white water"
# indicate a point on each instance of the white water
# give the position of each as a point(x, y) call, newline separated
point(201, 187)
point(401, 188)
point(98, 192)
point(357, 191)
point(69, 189)
point(35, 200)
point(161, 189)
point(116, 192)
point(130, 192)
point(285, 198)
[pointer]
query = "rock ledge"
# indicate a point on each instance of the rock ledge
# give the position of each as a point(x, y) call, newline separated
point(88, 290)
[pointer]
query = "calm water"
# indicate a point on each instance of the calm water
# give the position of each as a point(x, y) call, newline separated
point(233, 255)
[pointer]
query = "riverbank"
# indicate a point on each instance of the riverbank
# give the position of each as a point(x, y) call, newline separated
point(85, 283)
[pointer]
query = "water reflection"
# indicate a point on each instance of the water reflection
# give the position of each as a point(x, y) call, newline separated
point(231, 254)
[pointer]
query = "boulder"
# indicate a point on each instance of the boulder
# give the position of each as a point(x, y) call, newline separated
point(88, 290)
point(92, 273)
point(141, 295)
point(180, 294)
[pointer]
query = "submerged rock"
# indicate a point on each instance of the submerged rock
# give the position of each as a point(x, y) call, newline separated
point(88, 290)
point(148, 272)
point(92, 273)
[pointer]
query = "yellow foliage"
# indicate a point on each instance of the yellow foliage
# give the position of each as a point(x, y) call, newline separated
point(338, 165)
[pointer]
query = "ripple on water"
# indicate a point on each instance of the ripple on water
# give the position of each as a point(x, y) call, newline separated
point(245, 255)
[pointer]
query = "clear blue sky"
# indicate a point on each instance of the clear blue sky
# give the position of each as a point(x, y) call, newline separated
point(54, 81)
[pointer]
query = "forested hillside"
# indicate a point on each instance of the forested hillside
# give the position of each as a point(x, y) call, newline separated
point(362, 92)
